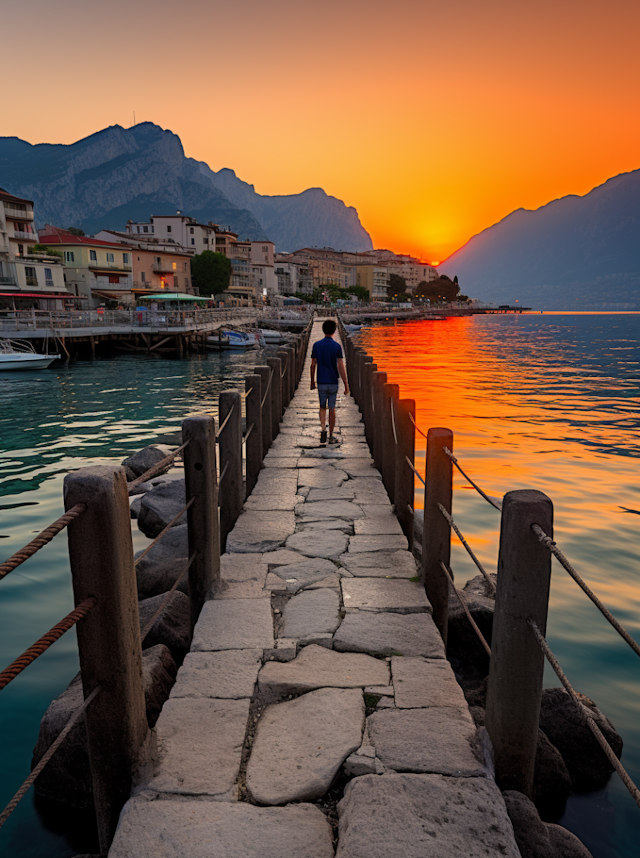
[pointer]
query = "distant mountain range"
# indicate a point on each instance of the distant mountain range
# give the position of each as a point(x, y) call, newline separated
point(576, 253)
point(131, 173)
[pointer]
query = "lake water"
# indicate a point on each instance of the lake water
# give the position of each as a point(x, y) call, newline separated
point(543, 401)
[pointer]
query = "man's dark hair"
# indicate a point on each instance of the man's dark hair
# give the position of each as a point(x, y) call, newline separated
point(329, 328)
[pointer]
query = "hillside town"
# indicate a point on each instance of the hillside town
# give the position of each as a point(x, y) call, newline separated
point(55, 269)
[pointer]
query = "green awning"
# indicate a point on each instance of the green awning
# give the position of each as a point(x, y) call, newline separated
point(172, 296)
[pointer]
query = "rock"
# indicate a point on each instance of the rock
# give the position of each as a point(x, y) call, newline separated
point(321, 510)
point(199, 744)
point(376, 594)
point(174, 545)
point(380, 564)
point(418, 525)
point(359, 764)
point(319, 543)
point(171, 628)
point(284, 649)
point(154, 580)
point(174, 829)
point(297, 576)
point(423, 816)
point(256, 532)
point(146, 458)
point(367, 543)
point(159, 506)
point(562, 722)
point(300, 745)
point(233, 624)
point(551, 780)
point(435, 740)
point(310, 614)
point(317, 667)
point(225, 675)
point(389, 634)
point(535, 838)
point(421, 682)
point(67, 776)
point(462, 642)
point(134, 507)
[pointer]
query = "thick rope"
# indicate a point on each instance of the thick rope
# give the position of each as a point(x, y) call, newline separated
point(162, 532)
point(496, 503)
point(474, 625)
point(467, 546)
point(41, 540)
point(165, 601)
point(586, 714)
point(42, 644)
point(553, 548)
point(264, 398)
point(226, 420)
point(224, 471)
point(416, 426)
point(393, 421)
point(6, 813)
point(168, 460)
point(248, 432)
point(411, 465)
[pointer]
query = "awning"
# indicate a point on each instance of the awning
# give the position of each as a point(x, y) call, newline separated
point(37, 295)
point(176, 296)
point(112, 294)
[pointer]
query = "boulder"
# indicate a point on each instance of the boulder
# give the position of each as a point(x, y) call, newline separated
point(463, 645)
point(537, 839)
point(171, 628)
point(159, 506)
point(67, 777)
point(134, 507)
point(154, 580)
point(562, 722)
point(174, 545)
point(146, 458)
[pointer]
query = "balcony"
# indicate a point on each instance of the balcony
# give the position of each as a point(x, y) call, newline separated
point(28, 236)
point(164, 268)
point(112, 267)
point(32, 281)
point(8, 281)
point(17, 213)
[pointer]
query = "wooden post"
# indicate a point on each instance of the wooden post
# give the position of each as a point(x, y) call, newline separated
point(265, 374)
point(101, 557)
point(201, 483)
point(389, 392)
point(231, 495)
point(517, 662)
point(276, 395)
point(436, 535)
point(285, 357)
point(379, 381)
point(293, 380)
point(404, 410)
point(367, 399)
point(253, 436)
point(355, 379)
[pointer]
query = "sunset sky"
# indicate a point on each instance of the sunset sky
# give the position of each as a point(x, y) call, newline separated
point(434, 120)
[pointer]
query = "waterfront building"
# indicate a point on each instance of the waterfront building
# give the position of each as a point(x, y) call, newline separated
point(179, 229)
point(375, 279)
point(29, 278)
point(157, 265)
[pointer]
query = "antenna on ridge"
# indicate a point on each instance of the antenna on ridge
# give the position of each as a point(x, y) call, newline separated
point(134, 117)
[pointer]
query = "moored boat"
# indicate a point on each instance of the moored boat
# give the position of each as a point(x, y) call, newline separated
point(242, 339)
point(16, 355)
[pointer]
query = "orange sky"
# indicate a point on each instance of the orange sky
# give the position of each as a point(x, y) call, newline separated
point(433, 120)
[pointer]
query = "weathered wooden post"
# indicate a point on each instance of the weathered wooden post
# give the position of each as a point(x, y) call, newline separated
point(102, 566)
point(436, 534)
point(517, 662)
point(253, 435)
point(367, 399)
point(379, 381)
point(285, 358)
point(230, 444)
point(201, 484)
point(265, 375)
point(389, 392)
point(404, 410)
point(292, 370)
point(275, 364)
point(358, 360)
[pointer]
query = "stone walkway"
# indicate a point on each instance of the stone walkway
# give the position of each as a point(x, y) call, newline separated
point(317, 672)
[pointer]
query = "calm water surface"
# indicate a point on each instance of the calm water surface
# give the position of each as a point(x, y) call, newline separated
point(547, 402)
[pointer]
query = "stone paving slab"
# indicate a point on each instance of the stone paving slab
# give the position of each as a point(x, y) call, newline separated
point(344, 492)
point(321, 510)
point(378, 594)
point(274, 481)
point(297, 576)
point(378, 525)
point(361, 544)
point(424, 816)
point(205, 829)
point(310, 614)
point(380, 564)
point(317, 667)
point(389, 634)
point(233, 624)
point(300, 745)
point(231, 674)
point(282, 557)
point(319, 543)
point(435, 740)
point(257, 532)
point(286, 462)
point(324, 526)
point(421, 682)
point(265, 503)
point(199, 747)
point(321, 478)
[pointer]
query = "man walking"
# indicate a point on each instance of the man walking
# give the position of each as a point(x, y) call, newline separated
point(326, 356)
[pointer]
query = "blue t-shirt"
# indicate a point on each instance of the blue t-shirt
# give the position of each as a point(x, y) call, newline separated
point(326, 352)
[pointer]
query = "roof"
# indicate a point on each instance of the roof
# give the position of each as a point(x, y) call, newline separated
point(5, 195)
point(63, 236)
point(176, 296)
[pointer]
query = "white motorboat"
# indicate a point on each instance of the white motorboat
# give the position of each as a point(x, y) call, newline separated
point(353, 329)
point(16, 355)
point(272, 338)
point(242, 339)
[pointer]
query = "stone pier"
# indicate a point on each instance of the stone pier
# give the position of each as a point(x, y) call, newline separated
point(316, 713)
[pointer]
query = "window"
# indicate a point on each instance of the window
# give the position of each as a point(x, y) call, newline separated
point(48, 274)
point(93, 256)
point(174, 265)
point(125, 258)
point(30, 274)
point(168, 229)
point(143, 277)
point(110, 257)
point(205, 240)
point(185, 266)
point(157, 260)
point(190, 230)
point(265, 250)
point(186, 282)
point(69, 256)
point(193, 241)
point(145, 229)
point(20, 250)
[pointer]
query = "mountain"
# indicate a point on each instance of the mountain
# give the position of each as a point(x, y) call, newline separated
point(575, 253)
point(131, 173)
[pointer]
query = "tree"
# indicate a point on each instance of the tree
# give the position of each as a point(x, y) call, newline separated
point(360, 292)
point(211, 272)
point(75, 231)
point(397, 288)
point(437, 291)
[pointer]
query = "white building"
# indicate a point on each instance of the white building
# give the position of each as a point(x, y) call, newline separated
point(179, 229)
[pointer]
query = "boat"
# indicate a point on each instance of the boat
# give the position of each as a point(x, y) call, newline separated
point(218, 341)
point(242, 339)
point(353, 329)
point(16, 355)
point(272, 338)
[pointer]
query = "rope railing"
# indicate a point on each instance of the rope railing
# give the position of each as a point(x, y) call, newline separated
point(416, 426)
point(6, 813)
point(224, 422)
point(465, 608)
point(168, 460)
point(163, 532)
point(264, 398)
point(585, 713)
point(455, 527)
point(41, 540)
point(42, 644)
point(553, 548)
point(246, 393)
point(249, 431)
point(417, 473)
point(393, 422)
point(495, 503)
point(166, 599)
point(224, 471)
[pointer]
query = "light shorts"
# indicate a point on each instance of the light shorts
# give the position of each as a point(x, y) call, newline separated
point(328, 393)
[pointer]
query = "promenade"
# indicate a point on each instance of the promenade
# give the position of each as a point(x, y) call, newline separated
point(316, 713)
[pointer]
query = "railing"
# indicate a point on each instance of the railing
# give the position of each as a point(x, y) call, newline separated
point(166, 267)
point(29, 236)
point(21, 215)
point(103, 570)
point(517, 649)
